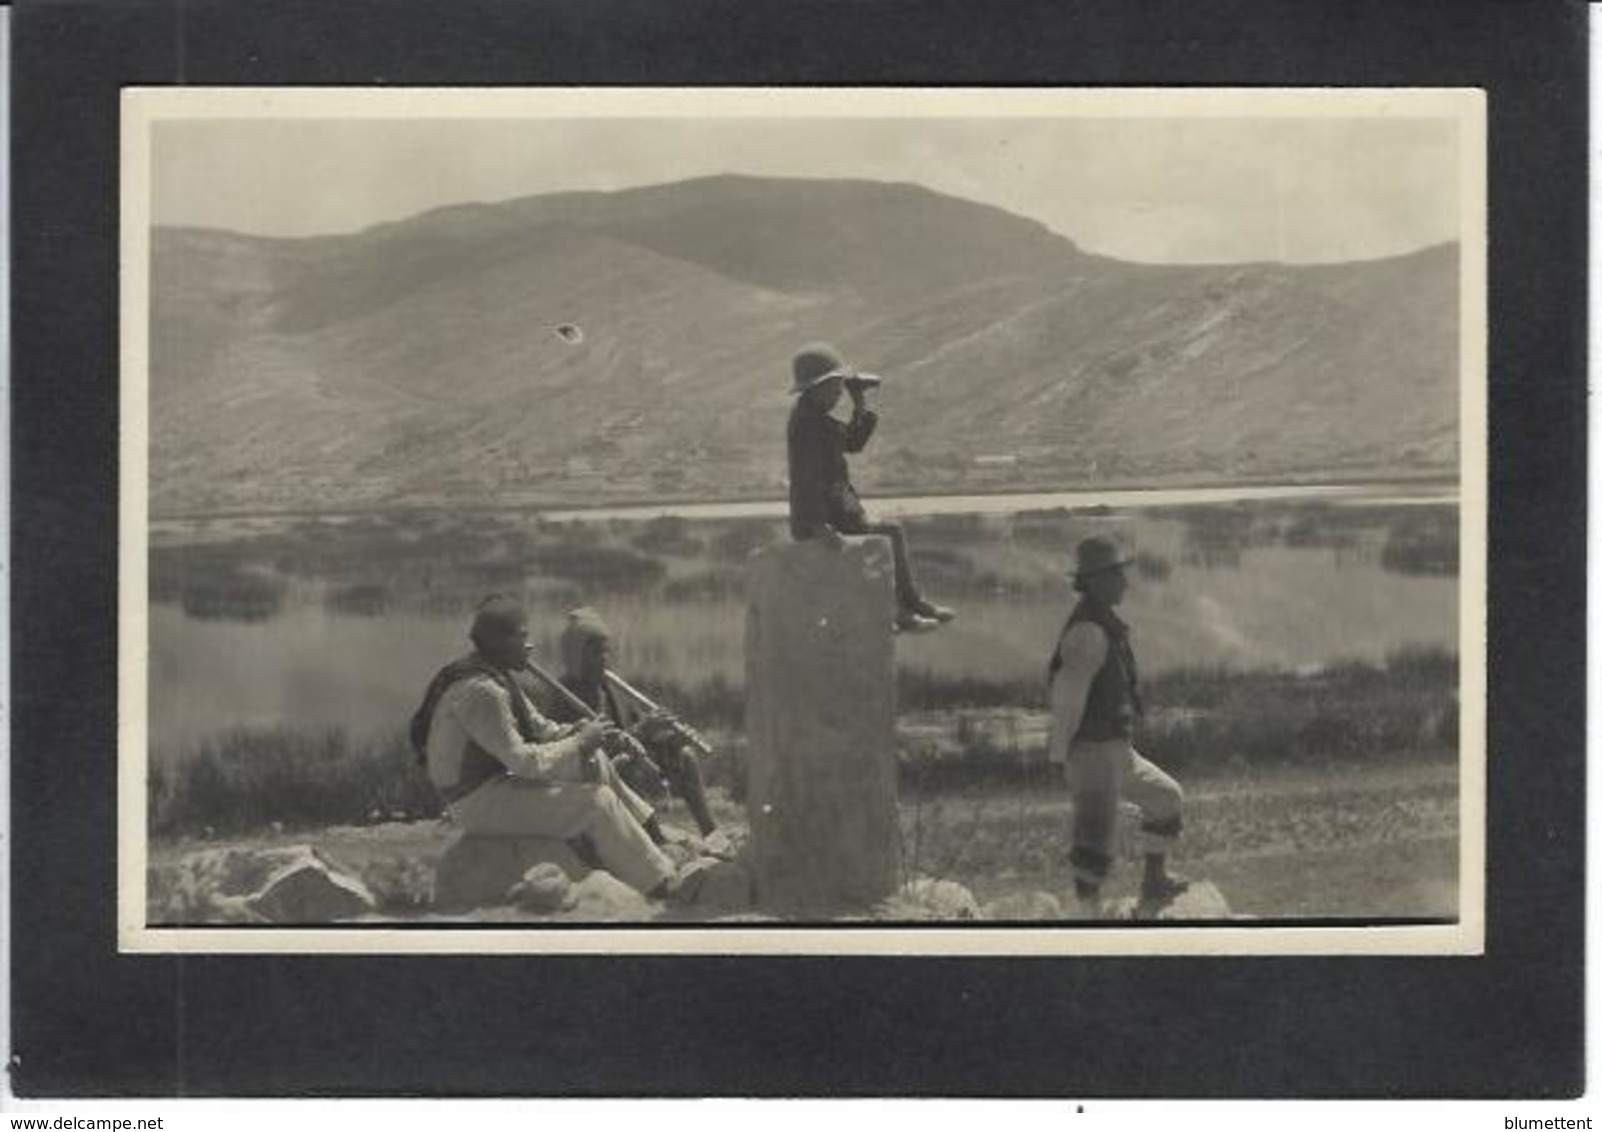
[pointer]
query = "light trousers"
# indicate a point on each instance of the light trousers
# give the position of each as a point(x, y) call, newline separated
point(607, 813)
point(1102, 774)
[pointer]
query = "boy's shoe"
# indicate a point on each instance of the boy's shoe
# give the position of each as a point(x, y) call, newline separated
point(908, 621)
point(928, 609)
point(1163, 888)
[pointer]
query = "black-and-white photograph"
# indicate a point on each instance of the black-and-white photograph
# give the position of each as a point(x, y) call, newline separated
point(969, 521)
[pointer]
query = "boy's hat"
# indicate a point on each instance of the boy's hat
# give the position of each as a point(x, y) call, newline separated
point(1097, 554)
point(815, 364)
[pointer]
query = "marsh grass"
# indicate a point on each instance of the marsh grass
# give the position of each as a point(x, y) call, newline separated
point(233, 597)
point(738, 539)
point(1425, 545)
point(668, 534)
point(601, 568)
point(365, 599)
point(251, 778)
point(1209, 723)
point(429, 564)
point(1214, 721)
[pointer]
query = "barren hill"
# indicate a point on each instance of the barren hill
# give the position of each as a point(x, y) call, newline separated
point(420, 361)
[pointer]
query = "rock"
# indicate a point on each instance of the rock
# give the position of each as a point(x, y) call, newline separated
point(476, 871)
point(309, 891)
point(601, 896)
point(294, 884)
point(1201, 901)
point(200, 888)
point(724, 886)
point(820, 719)
point(926, 899)
point(544, 888)
point(401, 882)
point(1025, 906)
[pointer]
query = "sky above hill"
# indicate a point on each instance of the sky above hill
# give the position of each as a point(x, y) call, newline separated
point(1163, 190)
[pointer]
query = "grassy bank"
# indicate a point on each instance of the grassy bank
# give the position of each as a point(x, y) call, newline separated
point(958, 734)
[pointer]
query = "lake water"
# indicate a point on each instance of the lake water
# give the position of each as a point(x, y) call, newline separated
point(341, 624)
point(900, 506)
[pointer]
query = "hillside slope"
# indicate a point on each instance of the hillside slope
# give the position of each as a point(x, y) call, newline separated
point(420, 361)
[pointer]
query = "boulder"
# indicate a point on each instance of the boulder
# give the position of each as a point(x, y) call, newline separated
point(1035, 905)
point(402, 882)
point(723, 886)
point(1201, 901)
point(309, 891)
point(202, 888)
point(928, 899)
point(820, 721)
point(294, 884)
point(544, 888)
point(600, 896)
point(477, 871)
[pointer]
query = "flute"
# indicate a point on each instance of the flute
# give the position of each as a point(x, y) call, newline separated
point(690, 734)
point(585, 711)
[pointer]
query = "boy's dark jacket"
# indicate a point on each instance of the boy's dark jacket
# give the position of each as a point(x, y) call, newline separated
point(820, 484)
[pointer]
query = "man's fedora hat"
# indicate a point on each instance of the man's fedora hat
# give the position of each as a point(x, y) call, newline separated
point(1098, 554)
point(816, 364)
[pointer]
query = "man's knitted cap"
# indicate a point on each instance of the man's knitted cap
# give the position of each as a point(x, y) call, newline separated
point(583, 626)
point(499, 615)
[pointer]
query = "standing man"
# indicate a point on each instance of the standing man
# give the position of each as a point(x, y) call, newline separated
point(823, 504)
point(1094, 691)
point(504, 770)
point(586, 653)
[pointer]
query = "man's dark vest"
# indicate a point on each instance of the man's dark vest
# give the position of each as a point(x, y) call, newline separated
point(1113, 703)
point(478, 765)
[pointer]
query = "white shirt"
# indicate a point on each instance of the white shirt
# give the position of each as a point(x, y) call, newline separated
point(479, 710)
point(1084, 649)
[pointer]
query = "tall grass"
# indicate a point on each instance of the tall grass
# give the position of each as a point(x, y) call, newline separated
point(668, 534)
point(1207, 721)
point(426, 563)
point(1427, 545)
point(254, 778)
point(1201, 722)
point(739, 538)
point(600, 567)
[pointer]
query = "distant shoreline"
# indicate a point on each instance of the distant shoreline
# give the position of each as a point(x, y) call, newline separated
point(562, 507)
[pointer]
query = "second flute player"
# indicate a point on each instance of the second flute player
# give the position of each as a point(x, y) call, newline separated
point(671, 747)
point(823, 504)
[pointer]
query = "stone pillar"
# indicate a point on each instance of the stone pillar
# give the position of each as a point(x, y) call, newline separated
point(820, 723)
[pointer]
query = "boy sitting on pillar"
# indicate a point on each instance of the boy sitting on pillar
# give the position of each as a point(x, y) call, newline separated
point(823, 504)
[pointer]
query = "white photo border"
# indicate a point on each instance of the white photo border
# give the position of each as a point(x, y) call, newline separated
point(143, 107)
